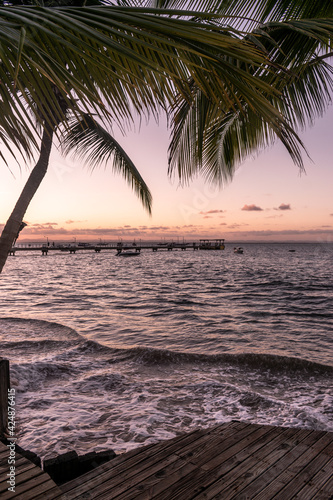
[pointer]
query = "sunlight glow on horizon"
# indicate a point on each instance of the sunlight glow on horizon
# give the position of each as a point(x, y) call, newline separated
point(74, 202)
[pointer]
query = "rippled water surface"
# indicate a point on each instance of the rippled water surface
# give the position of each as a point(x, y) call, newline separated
point(114, 352)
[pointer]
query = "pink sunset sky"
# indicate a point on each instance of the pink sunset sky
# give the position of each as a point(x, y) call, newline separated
point(268, 199)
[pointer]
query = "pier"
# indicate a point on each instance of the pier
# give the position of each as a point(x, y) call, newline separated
point(212, 244)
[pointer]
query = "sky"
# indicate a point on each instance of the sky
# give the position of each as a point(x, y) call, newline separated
point(268, 199)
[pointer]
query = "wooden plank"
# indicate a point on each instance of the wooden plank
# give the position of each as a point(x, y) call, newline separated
point(231, 447)
point(19, 462)
point(185, 460)
point(222, 471)
point(272, 480)
point(180, 484)
point(230, 430)
point(218, 440)
point(123, 469)
point(236, 460)
point(326, 491)
point(126, 460)
point(30, 472)
point(317, 483)
point(53, 493)
point(260, 468)
point(154, 483)
point(30, 480)
point(302, 470)
point(22, 490)
point(43, 487)
point(121, 465)
point(4, 386)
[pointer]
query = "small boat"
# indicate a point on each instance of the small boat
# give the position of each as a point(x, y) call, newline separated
point(128, 253)
point(238, 250)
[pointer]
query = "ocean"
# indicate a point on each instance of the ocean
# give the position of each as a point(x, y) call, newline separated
point(110, 352)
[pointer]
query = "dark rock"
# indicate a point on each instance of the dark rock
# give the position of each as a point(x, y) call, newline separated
point(69, 466)
point(62, 468)
point(91, 460)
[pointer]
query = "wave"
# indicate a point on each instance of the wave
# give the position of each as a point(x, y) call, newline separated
point(162, 357)
point(35, 329)
point(64, 344)
point(250, 360)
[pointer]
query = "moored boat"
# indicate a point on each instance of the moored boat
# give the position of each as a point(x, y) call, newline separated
point(128, 253)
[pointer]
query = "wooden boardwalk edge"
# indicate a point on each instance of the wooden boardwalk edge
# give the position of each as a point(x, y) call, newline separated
point(229, 461)
point(234, 460)
point(31, 483)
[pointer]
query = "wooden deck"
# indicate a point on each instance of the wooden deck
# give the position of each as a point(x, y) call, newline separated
point(230, 461)
point(31, 483)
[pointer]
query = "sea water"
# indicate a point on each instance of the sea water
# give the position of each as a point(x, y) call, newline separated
point(111, 352)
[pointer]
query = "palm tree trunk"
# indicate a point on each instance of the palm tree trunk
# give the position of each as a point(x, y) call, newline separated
point(12, 226)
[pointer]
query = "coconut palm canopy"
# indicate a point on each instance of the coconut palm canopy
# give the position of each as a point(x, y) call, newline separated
point(232, 76)
point(115, 60)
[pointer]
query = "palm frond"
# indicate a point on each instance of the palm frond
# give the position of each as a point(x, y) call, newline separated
point(90, 142)
point(114, 60)
point(214, 141)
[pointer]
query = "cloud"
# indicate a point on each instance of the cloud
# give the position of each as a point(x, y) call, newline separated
point(45, 224)
point(252, 208)
point(74, 221)
point(319, 236)
point(212, 212)
point(236, 226)
point(284, 206)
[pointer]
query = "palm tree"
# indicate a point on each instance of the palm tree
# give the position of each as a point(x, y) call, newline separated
point(71, 72)
point(297, 39)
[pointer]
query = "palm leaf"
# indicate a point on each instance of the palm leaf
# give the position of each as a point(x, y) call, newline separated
point(213, 142)
point(91, 142)
point(114, 60)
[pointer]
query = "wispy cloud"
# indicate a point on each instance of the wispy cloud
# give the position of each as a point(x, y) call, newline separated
point(74, 221)
point(252, 208)
point(284, 206)
point(209, 212)
point(44, 224)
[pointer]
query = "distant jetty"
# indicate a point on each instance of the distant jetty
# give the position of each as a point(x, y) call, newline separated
point(72, 248)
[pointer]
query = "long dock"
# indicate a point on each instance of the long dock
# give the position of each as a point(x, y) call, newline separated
point(214, 244)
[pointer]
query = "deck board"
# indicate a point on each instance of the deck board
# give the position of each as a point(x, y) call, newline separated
point(30, 480)
point(235, 461)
